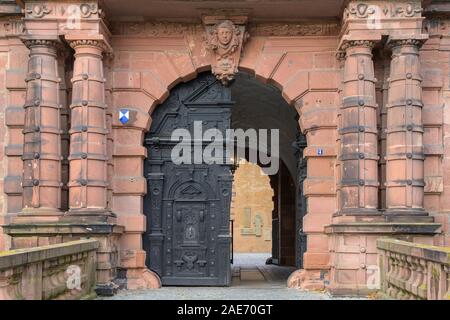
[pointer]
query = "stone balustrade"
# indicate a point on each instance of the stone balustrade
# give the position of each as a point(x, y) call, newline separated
point(413, 271)
point(59, 271)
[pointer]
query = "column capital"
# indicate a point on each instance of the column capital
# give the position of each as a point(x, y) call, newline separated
point(96, 41)
point(30, 42)
point(347, 44)
point(417, 41)
point(340, 55)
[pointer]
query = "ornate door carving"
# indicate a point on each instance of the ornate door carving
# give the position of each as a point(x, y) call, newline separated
point(188, 205)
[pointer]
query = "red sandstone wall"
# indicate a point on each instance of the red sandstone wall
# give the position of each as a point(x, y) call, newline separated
point(13, 66)
point(435, 59)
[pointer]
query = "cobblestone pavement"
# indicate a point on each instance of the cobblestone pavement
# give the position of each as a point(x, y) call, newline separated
point(252, 280)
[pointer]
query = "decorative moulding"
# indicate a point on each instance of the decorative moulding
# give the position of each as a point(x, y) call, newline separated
point(382, 10)
point(62, 10)
point(264, 29)
point(224, 39)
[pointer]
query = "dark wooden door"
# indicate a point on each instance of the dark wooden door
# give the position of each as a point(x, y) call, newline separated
point(188, 205)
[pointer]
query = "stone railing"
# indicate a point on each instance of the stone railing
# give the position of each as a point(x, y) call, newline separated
point(414, 271)
point(60, 271)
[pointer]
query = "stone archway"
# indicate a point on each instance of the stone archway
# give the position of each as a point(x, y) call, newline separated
point(185, 237)
point(261, 106)
point(142, 78)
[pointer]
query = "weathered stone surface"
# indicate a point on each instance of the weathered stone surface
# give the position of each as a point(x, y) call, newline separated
point(58, 271)
point(414, 271)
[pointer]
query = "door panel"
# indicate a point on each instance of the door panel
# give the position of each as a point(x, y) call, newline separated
point(188, 205)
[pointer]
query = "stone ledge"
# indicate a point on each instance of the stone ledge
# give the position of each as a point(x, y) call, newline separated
point(18, 257)
point(61, 228)
point(9, 8)
point(428, 252)
point(384, 228)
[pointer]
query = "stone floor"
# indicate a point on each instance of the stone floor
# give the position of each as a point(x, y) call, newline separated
point(252, 280)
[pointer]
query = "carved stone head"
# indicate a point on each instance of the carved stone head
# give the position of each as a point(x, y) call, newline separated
point(225, 32)
point(224, 40)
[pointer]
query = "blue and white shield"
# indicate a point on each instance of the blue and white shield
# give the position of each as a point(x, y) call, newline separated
point(124, 115)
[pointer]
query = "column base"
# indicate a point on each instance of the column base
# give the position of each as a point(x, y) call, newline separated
point(37, 215)
point(89, 216)
point(358, 212)
point(308, 280)
point(407, 215)
point(106, 289)
point(405, 212)
point(142, 278)
point(416, 219)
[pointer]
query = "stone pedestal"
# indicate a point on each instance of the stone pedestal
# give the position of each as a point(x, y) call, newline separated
point(355, 270)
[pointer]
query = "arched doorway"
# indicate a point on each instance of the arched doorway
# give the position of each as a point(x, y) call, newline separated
point(261, 106)
point(188, 238)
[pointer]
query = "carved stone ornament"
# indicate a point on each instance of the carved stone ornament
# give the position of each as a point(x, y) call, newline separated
point(293, 29)
point(87, 9)
point(38, 10)
point(408, 10)
point(12, 28)
point(224, 40)
point(362, 10)
point(89, 42)
point(29, 43)
point(394, 9)
point(357, 43)
point(406, 42)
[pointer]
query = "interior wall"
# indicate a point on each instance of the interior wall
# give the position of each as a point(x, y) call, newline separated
point(251, 210)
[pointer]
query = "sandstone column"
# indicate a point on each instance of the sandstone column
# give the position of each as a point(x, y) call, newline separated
point(42, 132)
point(404, 133)
point(88, 134)
point(359, 141)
